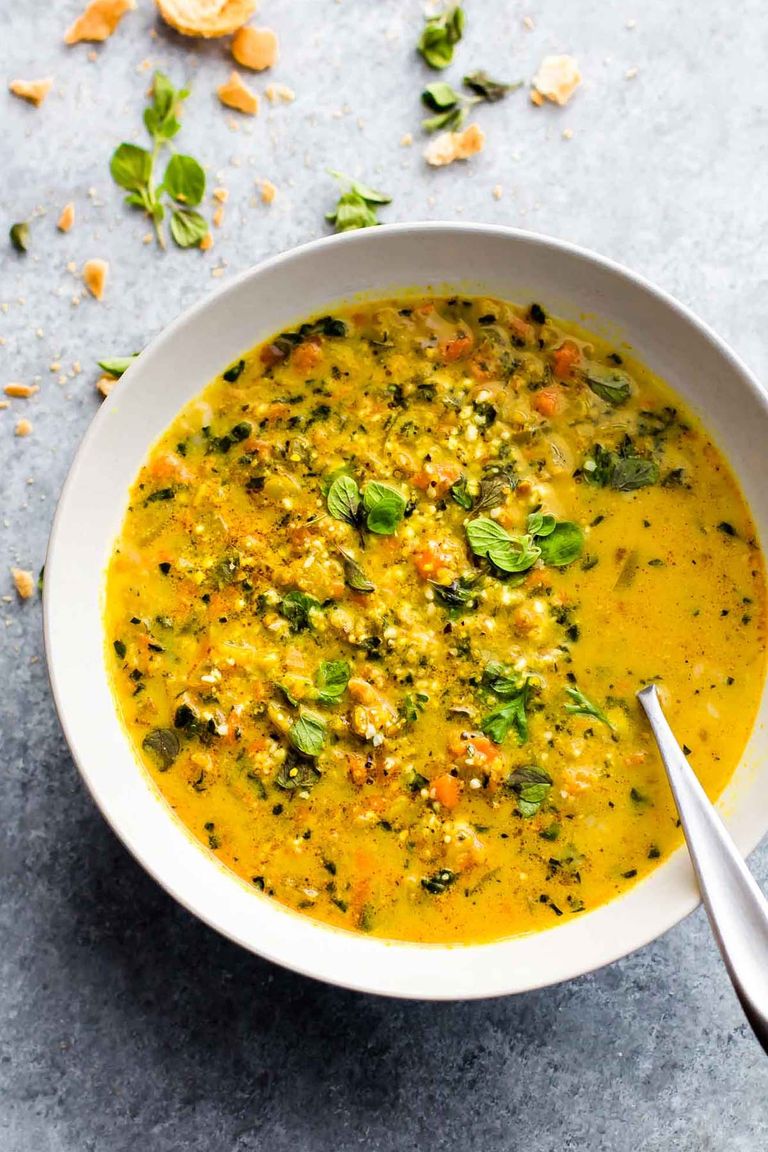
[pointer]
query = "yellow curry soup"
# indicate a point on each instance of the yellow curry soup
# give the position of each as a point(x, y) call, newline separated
point(382, 599)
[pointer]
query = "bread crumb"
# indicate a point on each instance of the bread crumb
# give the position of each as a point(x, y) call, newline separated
point(98, 21)
point(630, 24)
point(406, 140)
point(268, 191)
point(631, 73)
point(450, 146)
point(5, 404)
point(95, 277)
point(235, 93)
point(206, 243)
point(67, 218)
point(21, 391)
point(221, 194)
point(24, 582)
point(557, 79)
point(567, 133)
point(105, 384)
point(54, 366)
point(148, 237)
point(255, 48)
point(497, 191)
point(206, 19)
point(528, 23)
point(218, 216)
point(34, 91)
point(277, 93)
point(23, 427)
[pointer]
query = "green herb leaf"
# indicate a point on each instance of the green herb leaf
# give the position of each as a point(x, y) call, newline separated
point(439, 36)
point(539, 524)
point(188, 228)
point(502, 680)
point(492, 492)
point(307, 734)
point(163, 745)
point(413, 706)
point(449, 121)
point(131, 167)
point(584, 707)
point(385, 507)
point(531, 785)
point(508, 553)
point(161, 118)
point(331, 680)
point(296, 608)
point(491, 90)
point(460, 593)
point(19, 234)
point(610, 384)
point(297, 774)
point(117, 365)
point(562, 545)
point(343, 499)
point(356, 207)
point(440, 882)
point(354, 577)
point(440, 96)
point(509, 715)
point(460, 495)
point(184, 180)
point(624, 473)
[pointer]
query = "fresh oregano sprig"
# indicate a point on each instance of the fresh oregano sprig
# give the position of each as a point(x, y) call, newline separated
point(183, 182)
point(357, 204)
point(451, 108)
point(439, 36)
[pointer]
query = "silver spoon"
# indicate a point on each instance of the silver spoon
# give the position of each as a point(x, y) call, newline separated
point(737, 909)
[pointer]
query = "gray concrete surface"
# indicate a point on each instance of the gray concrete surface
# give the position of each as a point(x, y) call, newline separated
point(124, 1023)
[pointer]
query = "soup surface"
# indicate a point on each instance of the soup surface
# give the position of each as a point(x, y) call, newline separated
point(382, 599)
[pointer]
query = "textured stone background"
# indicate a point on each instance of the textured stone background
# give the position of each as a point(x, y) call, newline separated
point(124, 1023)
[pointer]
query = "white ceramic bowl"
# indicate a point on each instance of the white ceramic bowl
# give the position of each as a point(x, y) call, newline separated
point(568, 282)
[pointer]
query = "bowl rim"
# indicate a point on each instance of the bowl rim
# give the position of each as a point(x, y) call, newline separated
point(619, 947)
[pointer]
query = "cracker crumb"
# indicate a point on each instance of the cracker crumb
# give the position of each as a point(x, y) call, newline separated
point(205, 19)
point(95, 274)
point(497, 192)
point(631, 73)
point(67, 218)
point(5, 404)
point(631, 24)
point(236, 94)
point(21, 391)
point(268, 191)
point(33, 91)
point(98, 21)
point(557, 79)
point(279, 93)
point(255, 48)
point(528, 23)
point(406, 140)
point(218, 216)
point(24, 582)
point(221, 194)
point(450, 146)
point(54, 366)
point(147, 238)
point(567, 133)
point(105, 384)
point(23, 427)
point(206, 243)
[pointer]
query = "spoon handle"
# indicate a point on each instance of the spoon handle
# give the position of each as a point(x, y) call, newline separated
point(737, 909)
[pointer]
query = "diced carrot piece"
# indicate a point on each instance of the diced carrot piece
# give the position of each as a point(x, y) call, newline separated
point(481, 747)
point(436, 478)
point(458, 348)
point(547, 401)
point(429, 560)
point(565, 359)
point(271, 355)
point(447, 790)
point(306, 356)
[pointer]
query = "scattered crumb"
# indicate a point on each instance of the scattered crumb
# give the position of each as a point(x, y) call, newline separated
point(98, 21)
point(21, 391)
point(279, 93)
point(206, 19)
point(54, 366)
point(24, 582)
point(497, 191)
point(557, 79)
point(206, 243)
point(631, 73)
point(147, 238)
point(406, 140)
point(67, 218)
point(95, 277)
point(144, 66)
point(5, 403)
point(105, 384)
point(218, 216)
point(92, 55)
point(450, 146)
point(221, 194)
point(528, 23)
point(218, 271)
point(268, 191)
point(631, 24)
point(72, 267)
point(34, 91)
point(567, 133)
point(236, 94)
point(255, 48)
point(23, 427)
